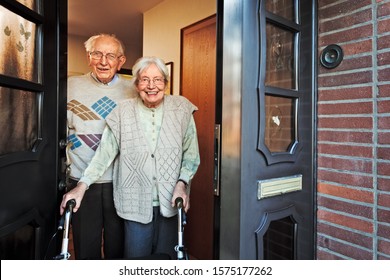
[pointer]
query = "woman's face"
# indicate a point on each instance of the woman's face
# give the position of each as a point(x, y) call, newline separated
point(151, 86)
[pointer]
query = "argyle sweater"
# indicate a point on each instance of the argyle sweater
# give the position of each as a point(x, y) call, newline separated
point(89, 104)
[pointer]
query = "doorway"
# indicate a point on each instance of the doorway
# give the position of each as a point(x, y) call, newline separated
point(198, 84)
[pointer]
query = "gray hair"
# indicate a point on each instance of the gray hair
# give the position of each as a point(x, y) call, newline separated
point(90, 43)
point(144, 62)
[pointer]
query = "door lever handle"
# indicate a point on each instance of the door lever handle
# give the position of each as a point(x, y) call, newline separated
point(217, 152)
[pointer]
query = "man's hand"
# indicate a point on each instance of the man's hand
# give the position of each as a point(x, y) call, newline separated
point(77, 193)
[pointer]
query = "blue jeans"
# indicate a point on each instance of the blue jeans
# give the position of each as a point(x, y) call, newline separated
point(157, 237)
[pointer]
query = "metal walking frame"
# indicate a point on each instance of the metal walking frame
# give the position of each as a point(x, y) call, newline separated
point(181, 222)
point(65, 226)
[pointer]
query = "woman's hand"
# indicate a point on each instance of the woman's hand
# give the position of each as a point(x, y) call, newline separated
point(181, 191)
point(77, 193)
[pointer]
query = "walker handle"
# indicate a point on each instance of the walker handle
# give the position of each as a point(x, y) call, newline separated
point(179, 202)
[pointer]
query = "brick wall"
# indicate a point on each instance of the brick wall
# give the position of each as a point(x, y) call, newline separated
point(354, 131)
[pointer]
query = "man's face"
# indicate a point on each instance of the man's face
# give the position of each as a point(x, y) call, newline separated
point(105, 59)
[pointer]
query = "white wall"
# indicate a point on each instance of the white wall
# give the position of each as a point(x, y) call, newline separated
point(162, 27)
point(77, 58)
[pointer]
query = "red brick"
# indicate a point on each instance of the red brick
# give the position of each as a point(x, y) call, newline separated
point(345, 136)
point(350, 63)
point(384, 74)
point(383, 59)
point(384, 184)
point(342, 8)
point(345, 93)
point(354, 180)
point(345, 192)
point(384, 246)
point(344, 249)
point(345, 79)
point(340, 108)
point(350, 122)
point(384, 138)
point(383, 10)
point(383, 106)
point(344, 22)
point(342, 164)
point(345, 150)
point(344, 36)
point(384, 168)
point(383, 153)
point(326, 255)
point(345, 207)
point(345, 221)
point(384, 90)
point(383, 26)
point(384, 200)
point(346, 235)
point(384, 122)
point(384, 216)
point(383, 230)
point(383, 42)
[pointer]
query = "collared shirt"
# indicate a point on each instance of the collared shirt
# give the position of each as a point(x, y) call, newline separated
point(114, 79)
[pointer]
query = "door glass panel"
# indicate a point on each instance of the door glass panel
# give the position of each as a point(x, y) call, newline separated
point(31, 4)
point(280, 60)
point(283, 8)
point(280, 123)
point(18, 46)
point(18, 120)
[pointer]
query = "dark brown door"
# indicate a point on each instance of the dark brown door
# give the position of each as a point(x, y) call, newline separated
point(267, 162)
point(32, 122)
point(198, 72)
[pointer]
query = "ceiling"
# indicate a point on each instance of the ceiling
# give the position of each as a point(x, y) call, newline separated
point(124, 18)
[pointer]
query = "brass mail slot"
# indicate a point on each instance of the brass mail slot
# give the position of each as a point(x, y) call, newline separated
point(278, 186)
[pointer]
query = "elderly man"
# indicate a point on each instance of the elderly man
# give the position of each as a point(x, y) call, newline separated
point(91, 98)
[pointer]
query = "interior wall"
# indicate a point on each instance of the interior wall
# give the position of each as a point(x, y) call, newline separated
point(162, 26)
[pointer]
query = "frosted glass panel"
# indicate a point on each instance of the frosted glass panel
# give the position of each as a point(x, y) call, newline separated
point(31, 4)
point(18, 120)
point(280, 123)
point(283, 8)
point(280, 69)
point(18, 47)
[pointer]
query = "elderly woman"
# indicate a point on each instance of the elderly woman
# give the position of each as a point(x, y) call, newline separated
point(153, 141)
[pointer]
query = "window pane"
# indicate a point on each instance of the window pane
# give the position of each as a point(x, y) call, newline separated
point(280, 123)
point(18, 46)
point(283, 8)
point(18, 120)
point(280, 70)
point(31, 4)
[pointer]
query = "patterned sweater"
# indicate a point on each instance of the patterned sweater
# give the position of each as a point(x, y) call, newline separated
point(89, 104)
point(143, 167)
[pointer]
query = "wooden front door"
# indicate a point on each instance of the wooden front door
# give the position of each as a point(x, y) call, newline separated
point(198, 81)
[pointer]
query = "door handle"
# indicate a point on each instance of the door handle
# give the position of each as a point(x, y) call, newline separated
point(217, 152)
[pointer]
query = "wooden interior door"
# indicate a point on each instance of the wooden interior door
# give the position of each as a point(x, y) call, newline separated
point(198, 82)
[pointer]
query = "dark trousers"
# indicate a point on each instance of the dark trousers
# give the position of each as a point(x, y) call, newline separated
point(157, 237)
point(97, 226)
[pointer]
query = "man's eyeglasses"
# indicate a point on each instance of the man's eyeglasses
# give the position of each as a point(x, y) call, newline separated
point(156, 81)
point(99, 55)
